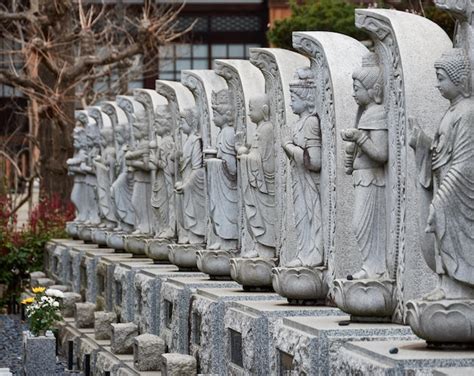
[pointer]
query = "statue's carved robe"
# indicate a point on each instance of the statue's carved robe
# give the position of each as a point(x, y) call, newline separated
point(258, 183)
point(222, 186)
point(121, 191)
point(193, 179)
point(447, 165)
point(91, 188)
point(163, 186)
point(306, 196)
point(79, 194)
point(369, 220)
point(104, 172)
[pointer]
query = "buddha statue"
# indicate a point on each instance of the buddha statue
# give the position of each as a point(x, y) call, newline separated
point(74, 168)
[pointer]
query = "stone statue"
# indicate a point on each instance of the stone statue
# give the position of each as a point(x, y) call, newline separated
point(192, 184)
point(366, 155)
point(303, 150)
point(222, 176)
point(446, 182)
point(162, 151)
point(105, 171)
point(87, 166)
point(138, 161)
point(122, 188)
point(257, 164)
point(74, 168)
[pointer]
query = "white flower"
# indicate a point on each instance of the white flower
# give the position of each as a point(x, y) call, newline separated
point(54, 293)
point(56, 304)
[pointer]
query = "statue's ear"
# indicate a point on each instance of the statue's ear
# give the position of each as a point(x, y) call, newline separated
point(266, 111)
point(377, 93)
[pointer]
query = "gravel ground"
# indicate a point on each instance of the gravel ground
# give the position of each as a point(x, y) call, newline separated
point(11, 329)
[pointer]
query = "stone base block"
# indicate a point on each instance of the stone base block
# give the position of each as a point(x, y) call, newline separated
point(136, 244)
point(250, 328)
point(84, 232)
point(158, 249)
point(103, 324)
point(397, 358)
point(207, 324)
point(216, 263)
point(178, 365)
point(254, 274)
point(184, 256)
point(36, 275)
point(116, 240)
point(62, 288)
point(84, 315)
point(311, 345)
point(72, 229)
point(147, 351)
point(99, 236)
point(39, 354)
point(42, 282)
point(175, 306)
point(123, 334)
point(69, 303)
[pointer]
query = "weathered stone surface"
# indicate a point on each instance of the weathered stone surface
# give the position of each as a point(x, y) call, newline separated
point(39, 354)
point(103, 324)
point(84, 315)
point(178, 365)
point(147, 351)
point(122, 337)
point(43, 282)
point(69, 303)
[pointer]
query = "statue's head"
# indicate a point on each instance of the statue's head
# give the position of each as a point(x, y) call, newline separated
point(121, 135)
point(163, 123)
point(79, 137)
point(303, 91)
point(107, 136)
point(140, 124)
point(453, 71)
point(189, 121)
point(368, 81)
point(259, 108)
point(93, 134)
point(222, 108)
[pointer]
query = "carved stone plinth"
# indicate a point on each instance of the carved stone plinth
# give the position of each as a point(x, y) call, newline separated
point(72, 230)
point(216, 263)
point(301, 285)
point(366, 300)
point(135, 244)
point(184, 256)
point(443, 323)
point(84, 232)
point(99, 236)
point(157, 249)
point(253, 273)
point(116, 240)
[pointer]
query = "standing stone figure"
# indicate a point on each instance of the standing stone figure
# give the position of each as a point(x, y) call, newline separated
point(222, 176)
point(122, 187)
point(138, 162)
point(257, 163)
point(303, 150)
point(105, 171)
point(365, 158)
point(162, 151)
point(93, 149)
point(446, 182)
point(192, 185)
point(78, 194)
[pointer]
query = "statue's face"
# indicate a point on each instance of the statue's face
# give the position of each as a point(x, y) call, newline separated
point(298, 105)
point(184, 126)
point(119, 135)
point(218, 117)
point(445, 86)
point(255, 111)
point(361, 94)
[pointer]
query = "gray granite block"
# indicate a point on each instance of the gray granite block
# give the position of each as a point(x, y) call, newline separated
point(313, 343)
point(89, 261)
point(69, 303)
point(175, 306)
point(42, 282)
point(123, 334)
point(103, 324)
point(84, 315)
point(39, 354)
point(411, 358)
point(147, 351)
point(178, 365)
point(250, 328)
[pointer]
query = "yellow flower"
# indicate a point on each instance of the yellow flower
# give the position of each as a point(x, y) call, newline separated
point(28, 300)
point(38, 290)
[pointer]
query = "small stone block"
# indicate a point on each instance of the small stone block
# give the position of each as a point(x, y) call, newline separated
point(39, 354)
point(84, 315)
point(42, 282)
point(147, 351)
point(62, 288)
point(174, 364)
point(103, 324)
point(123, 334)
point(36, 275)
point(69, 303)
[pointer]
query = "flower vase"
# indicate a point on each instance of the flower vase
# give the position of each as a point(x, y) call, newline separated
point(39, 354)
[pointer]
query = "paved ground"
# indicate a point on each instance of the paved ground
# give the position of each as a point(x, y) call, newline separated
point(11, 346)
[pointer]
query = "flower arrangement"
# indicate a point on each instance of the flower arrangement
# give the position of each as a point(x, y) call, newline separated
point(43, 309)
